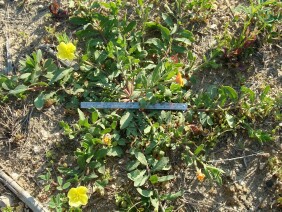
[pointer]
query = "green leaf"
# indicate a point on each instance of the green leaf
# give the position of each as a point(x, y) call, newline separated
point(154, 179)
point(78, 20)
point(101, 153)
point(167, 19)
point(230, 91)
point(155, 202)
point(264, 93)
point(199, 149)
point(165, 32)
point(147, 129)
point(60, 180)
point(59, 74)
point(66, 185)
point(230, 120)
point(165, 178)
point(25, 75)
point(39, 101)
point(172, 196)
point(125, 120)
point(81, 115)
point(156, 42)
point(129, 27)
point(138, 177)
point(92, 176)
point(115, 151)
point(145, 193)
point(141, 158)
point(18, 89)
point(132, 165)
point(248, 91)
point(161, 164)
point(183, 40)
point(94, 116)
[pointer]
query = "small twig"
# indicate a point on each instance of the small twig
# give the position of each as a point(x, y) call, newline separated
point(9, 66)
point(237, 158)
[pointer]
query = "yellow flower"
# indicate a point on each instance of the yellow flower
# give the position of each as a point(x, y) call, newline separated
point(66, 51)
point(107, 139)
point(77, 196)
point(179, 79)
point(200, 176)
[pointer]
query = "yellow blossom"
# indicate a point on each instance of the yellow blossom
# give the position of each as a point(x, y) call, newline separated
point(107, 139)
point(66, 51)
point(179, 79)
point(200, 176)
point(77, 196)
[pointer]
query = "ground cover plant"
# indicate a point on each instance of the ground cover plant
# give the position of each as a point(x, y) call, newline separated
point(144, 52)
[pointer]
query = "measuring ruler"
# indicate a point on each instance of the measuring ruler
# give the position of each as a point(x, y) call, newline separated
point(134, 105)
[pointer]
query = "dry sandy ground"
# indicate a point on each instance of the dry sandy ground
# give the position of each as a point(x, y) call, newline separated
point(249, 183)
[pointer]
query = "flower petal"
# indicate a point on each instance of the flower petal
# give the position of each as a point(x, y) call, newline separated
point(82, 189)
point(72, 193)
point(71, 47)
point(73, 203)
point(83, 199)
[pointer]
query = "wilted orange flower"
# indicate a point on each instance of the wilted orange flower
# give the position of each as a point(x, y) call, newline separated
point(200, 176)
point(107, 139)
point(179, 79)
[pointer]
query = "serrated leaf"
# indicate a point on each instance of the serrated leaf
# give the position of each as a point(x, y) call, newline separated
point(141, 158)
point(145, 193)
point(125, 120)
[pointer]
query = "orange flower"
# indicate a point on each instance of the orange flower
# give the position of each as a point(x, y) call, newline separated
point(179, 79)
point(200, 176)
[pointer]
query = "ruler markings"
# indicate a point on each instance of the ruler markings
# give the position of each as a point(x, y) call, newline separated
point(134, 105)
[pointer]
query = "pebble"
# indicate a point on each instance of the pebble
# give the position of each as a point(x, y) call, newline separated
point(261, 166)
point(41, 7)
point(2, 3)
point(36, 149)
point(213, 26)
point(15, 176)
